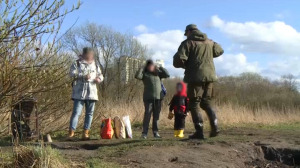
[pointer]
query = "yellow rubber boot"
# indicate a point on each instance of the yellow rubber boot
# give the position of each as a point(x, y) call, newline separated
point(180, 133)
point(176, 133)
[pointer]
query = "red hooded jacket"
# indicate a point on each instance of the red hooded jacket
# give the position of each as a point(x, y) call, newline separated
point(179, 102)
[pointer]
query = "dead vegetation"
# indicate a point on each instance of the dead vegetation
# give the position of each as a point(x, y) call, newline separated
point(31, 66)
point(37, 157)
point(33, 156)
point(263, 147)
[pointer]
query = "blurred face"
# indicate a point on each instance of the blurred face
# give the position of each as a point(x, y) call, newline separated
point(151, 68)
point(89, 56)
point(179, 88)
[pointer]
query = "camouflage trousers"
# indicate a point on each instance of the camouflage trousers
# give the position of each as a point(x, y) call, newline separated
point(200, 96)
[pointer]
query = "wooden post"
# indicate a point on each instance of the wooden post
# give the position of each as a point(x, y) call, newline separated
point(37, 121)
point(49, 139)
point(9, 122)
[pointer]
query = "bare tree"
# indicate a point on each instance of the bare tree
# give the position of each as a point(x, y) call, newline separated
point(290, 82)
point(109, 46)
point(29, 49)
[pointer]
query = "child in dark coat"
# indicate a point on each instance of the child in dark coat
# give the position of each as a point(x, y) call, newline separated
point(179, 109)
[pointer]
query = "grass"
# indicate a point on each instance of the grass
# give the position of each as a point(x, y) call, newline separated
point(108, 152)
point(112, 149)
point(119, 149)
point(127, 145)
point(229, 118)
point(5, 141)
point(277, 126)
point(283, 126)
point(32, 156)
point(99, 163)
point(227, 114)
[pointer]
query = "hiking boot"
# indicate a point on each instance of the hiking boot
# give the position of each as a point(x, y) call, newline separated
point(156, 135)
point(85, 135)
point(71, 135)
point(214, 131)
point(199, 132)
point(144, 136)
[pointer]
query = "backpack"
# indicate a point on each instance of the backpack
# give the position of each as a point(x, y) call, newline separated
point(163, 90)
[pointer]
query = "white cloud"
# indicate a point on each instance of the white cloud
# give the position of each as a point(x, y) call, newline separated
point(174, 72)
point(158, 13)
point(141, 28)
point(275, 69)
point(229, 64)
point(275, 38)
point(271, 38)
point(165, 45)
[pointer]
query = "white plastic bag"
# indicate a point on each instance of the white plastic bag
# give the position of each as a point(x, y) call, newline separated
point(126, 121)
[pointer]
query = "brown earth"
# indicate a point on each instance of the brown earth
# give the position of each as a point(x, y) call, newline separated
point(234, 148)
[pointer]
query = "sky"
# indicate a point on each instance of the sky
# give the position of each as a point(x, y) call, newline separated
point(257, 36)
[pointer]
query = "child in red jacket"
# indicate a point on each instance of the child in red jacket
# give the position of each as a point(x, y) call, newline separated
point(179, 109)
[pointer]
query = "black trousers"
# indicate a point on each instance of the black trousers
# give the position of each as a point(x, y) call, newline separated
point(151, 106)
point(179, 123)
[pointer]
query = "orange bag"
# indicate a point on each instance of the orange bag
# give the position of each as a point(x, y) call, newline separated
point(107, 131)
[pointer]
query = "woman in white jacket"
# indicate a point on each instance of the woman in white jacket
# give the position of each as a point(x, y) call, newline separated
point(86, 74)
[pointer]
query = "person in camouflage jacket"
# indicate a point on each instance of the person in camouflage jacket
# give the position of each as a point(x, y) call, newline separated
point(195, 55)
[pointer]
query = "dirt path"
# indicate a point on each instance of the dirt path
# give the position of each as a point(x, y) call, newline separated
point(234, 148)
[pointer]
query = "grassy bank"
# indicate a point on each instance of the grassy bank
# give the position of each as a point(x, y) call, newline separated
point(112, 150)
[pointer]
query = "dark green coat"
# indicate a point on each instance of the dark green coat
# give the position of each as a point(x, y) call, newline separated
point(195, 55)
point(152, 83)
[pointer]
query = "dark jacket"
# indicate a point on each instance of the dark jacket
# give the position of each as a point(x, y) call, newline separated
point(152, 82)
point(195, 55)
point(179, 102)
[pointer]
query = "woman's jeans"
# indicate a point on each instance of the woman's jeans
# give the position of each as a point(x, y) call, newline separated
point(151, 106)
point(77, 108)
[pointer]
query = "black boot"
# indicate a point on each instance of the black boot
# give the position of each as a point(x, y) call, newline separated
point(213, 122)
point(199, 132)
point(214, 131)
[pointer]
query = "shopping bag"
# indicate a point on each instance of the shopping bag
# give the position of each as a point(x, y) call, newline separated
point(119, 128)
point(107, 131)
point(126, 121)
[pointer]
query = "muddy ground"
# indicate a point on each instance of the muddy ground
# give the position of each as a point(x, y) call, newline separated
point(234, 148)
